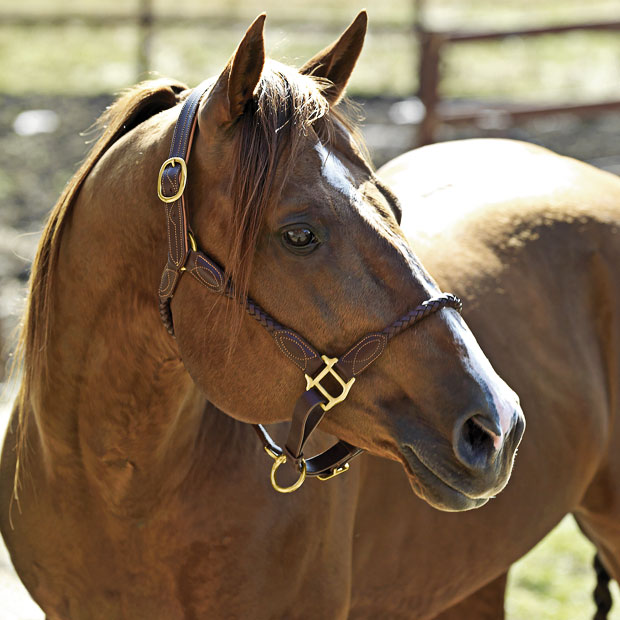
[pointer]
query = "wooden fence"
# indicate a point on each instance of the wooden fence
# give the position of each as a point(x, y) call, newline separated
point(431, 45)
point(145, 18)
point(438, 111)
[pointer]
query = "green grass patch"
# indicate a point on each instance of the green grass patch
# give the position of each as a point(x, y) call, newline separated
point(187, 56)
point(556, 579)
point(79, 59)
point(511, 14)
point(574, 67)
point(72, 59)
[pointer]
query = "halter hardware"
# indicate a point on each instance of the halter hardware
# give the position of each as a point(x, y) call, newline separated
point(184, 255)
point(172, 161)
point(192, 241)
point(192, 245)
point(279, 460)
point(335, 472)
point(316, 383)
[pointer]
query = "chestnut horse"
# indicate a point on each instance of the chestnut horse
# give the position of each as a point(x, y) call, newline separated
point(532, 241)
point(131, 484)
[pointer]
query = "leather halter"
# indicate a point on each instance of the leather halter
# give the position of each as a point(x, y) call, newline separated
point(328, 380)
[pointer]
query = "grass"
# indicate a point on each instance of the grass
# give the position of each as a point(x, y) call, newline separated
point(480, 14)
point(183, 55)
point(85, 60)
point(577, 66)
point(72, 59)
point(556, 579)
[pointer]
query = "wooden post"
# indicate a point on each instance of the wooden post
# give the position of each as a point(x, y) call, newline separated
point(430, 49)
point(419, 7)
point(145, 35)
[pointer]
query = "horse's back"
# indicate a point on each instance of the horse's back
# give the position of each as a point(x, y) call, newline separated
point(531, 242)
point(446, 184)
point(529, 237)
point(518, 228)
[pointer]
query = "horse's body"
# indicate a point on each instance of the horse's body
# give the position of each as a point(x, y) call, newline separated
point(140, 489)
point(143, 492)
point(532, 241)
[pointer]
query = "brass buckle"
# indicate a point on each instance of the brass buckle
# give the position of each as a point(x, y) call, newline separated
point(173, 161)
point(278, 460)
point(316, 383)
point(335, 472)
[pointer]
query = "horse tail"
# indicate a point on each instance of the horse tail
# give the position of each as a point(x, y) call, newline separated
point(602, 593)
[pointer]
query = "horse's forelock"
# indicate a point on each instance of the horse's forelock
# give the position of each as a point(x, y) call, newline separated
point(275, 124)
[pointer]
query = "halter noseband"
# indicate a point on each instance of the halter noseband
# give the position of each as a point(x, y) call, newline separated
point(328, 380)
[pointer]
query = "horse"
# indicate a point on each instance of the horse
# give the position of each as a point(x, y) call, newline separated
point(132, 481)
point(532, 241)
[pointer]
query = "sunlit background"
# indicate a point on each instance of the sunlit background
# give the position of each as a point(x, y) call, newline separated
point(546, 71)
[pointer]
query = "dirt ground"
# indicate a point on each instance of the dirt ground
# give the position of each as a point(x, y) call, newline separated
point(35, 167)
point(15, 603)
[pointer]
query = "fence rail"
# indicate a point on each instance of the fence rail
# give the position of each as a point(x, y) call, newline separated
point(213, 21)
point(146, 19)
point(437, 111)
point(458, 36)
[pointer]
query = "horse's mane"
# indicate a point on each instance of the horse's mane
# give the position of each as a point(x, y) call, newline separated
point(129, 110)
point(275, 123)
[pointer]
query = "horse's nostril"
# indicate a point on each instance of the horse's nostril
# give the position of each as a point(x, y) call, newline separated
point(478, 435)
point(477, 442)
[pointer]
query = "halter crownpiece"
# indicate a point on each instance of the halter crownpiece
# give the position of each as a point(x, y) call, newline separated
point(328, 380)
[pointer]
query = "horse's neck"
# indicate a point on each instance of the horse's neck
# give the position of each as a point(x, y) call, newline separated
point(117, 395)
point(127, 410)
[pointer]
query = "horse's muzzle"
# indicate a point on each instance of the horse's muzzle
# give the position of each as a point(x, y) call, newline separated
point(477, 467)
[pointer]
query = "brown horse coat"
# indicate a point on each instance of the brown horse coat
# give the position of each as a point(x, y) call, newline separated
point(131, 485)
point(140, 497)
point(532, 241)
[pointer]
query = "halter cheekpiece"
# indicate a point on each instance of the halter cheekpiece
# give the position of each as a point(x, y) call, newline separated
point(328, 380)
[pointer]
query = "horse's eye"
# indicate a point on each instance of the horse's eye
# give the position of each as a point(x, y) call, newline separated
point(300, 238)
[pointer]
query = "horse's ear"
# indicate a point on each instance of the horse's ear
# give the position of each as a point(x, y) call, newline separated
point(236, 84)
point(337, 61)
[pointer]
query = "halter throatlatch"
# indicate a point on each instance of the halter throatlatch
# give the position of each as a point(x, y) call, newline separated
point(328, 380)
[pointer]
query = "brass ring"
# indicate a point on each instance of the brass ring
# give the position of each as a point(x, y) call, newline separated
point(173, 161)
point(302, 476)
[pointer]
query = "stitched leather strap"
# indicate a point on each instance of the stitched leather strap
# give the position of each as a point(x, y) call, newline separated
point(176, 216)
point(338, 375)
point(323, 464)
point(308, 412)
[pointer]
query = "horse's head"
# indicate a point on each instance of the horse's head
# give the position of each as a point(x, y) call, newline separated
point(281, 194)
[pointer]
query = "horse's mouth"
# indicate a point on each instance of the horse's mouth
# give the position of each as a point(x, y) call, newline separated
point(434, 489)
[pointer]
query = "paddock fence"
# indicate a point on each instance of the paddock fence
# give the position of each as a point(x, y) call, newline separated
point(435, 110)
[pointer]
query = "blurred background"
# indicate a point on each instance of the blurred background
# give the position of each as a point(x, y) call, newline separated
point(545, 71)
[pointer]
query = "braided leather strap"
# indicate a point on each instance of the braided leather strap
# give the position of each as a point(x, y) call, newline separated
point(422, 311)
point(310, 410)
point(369, 348)
point(264, 319)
